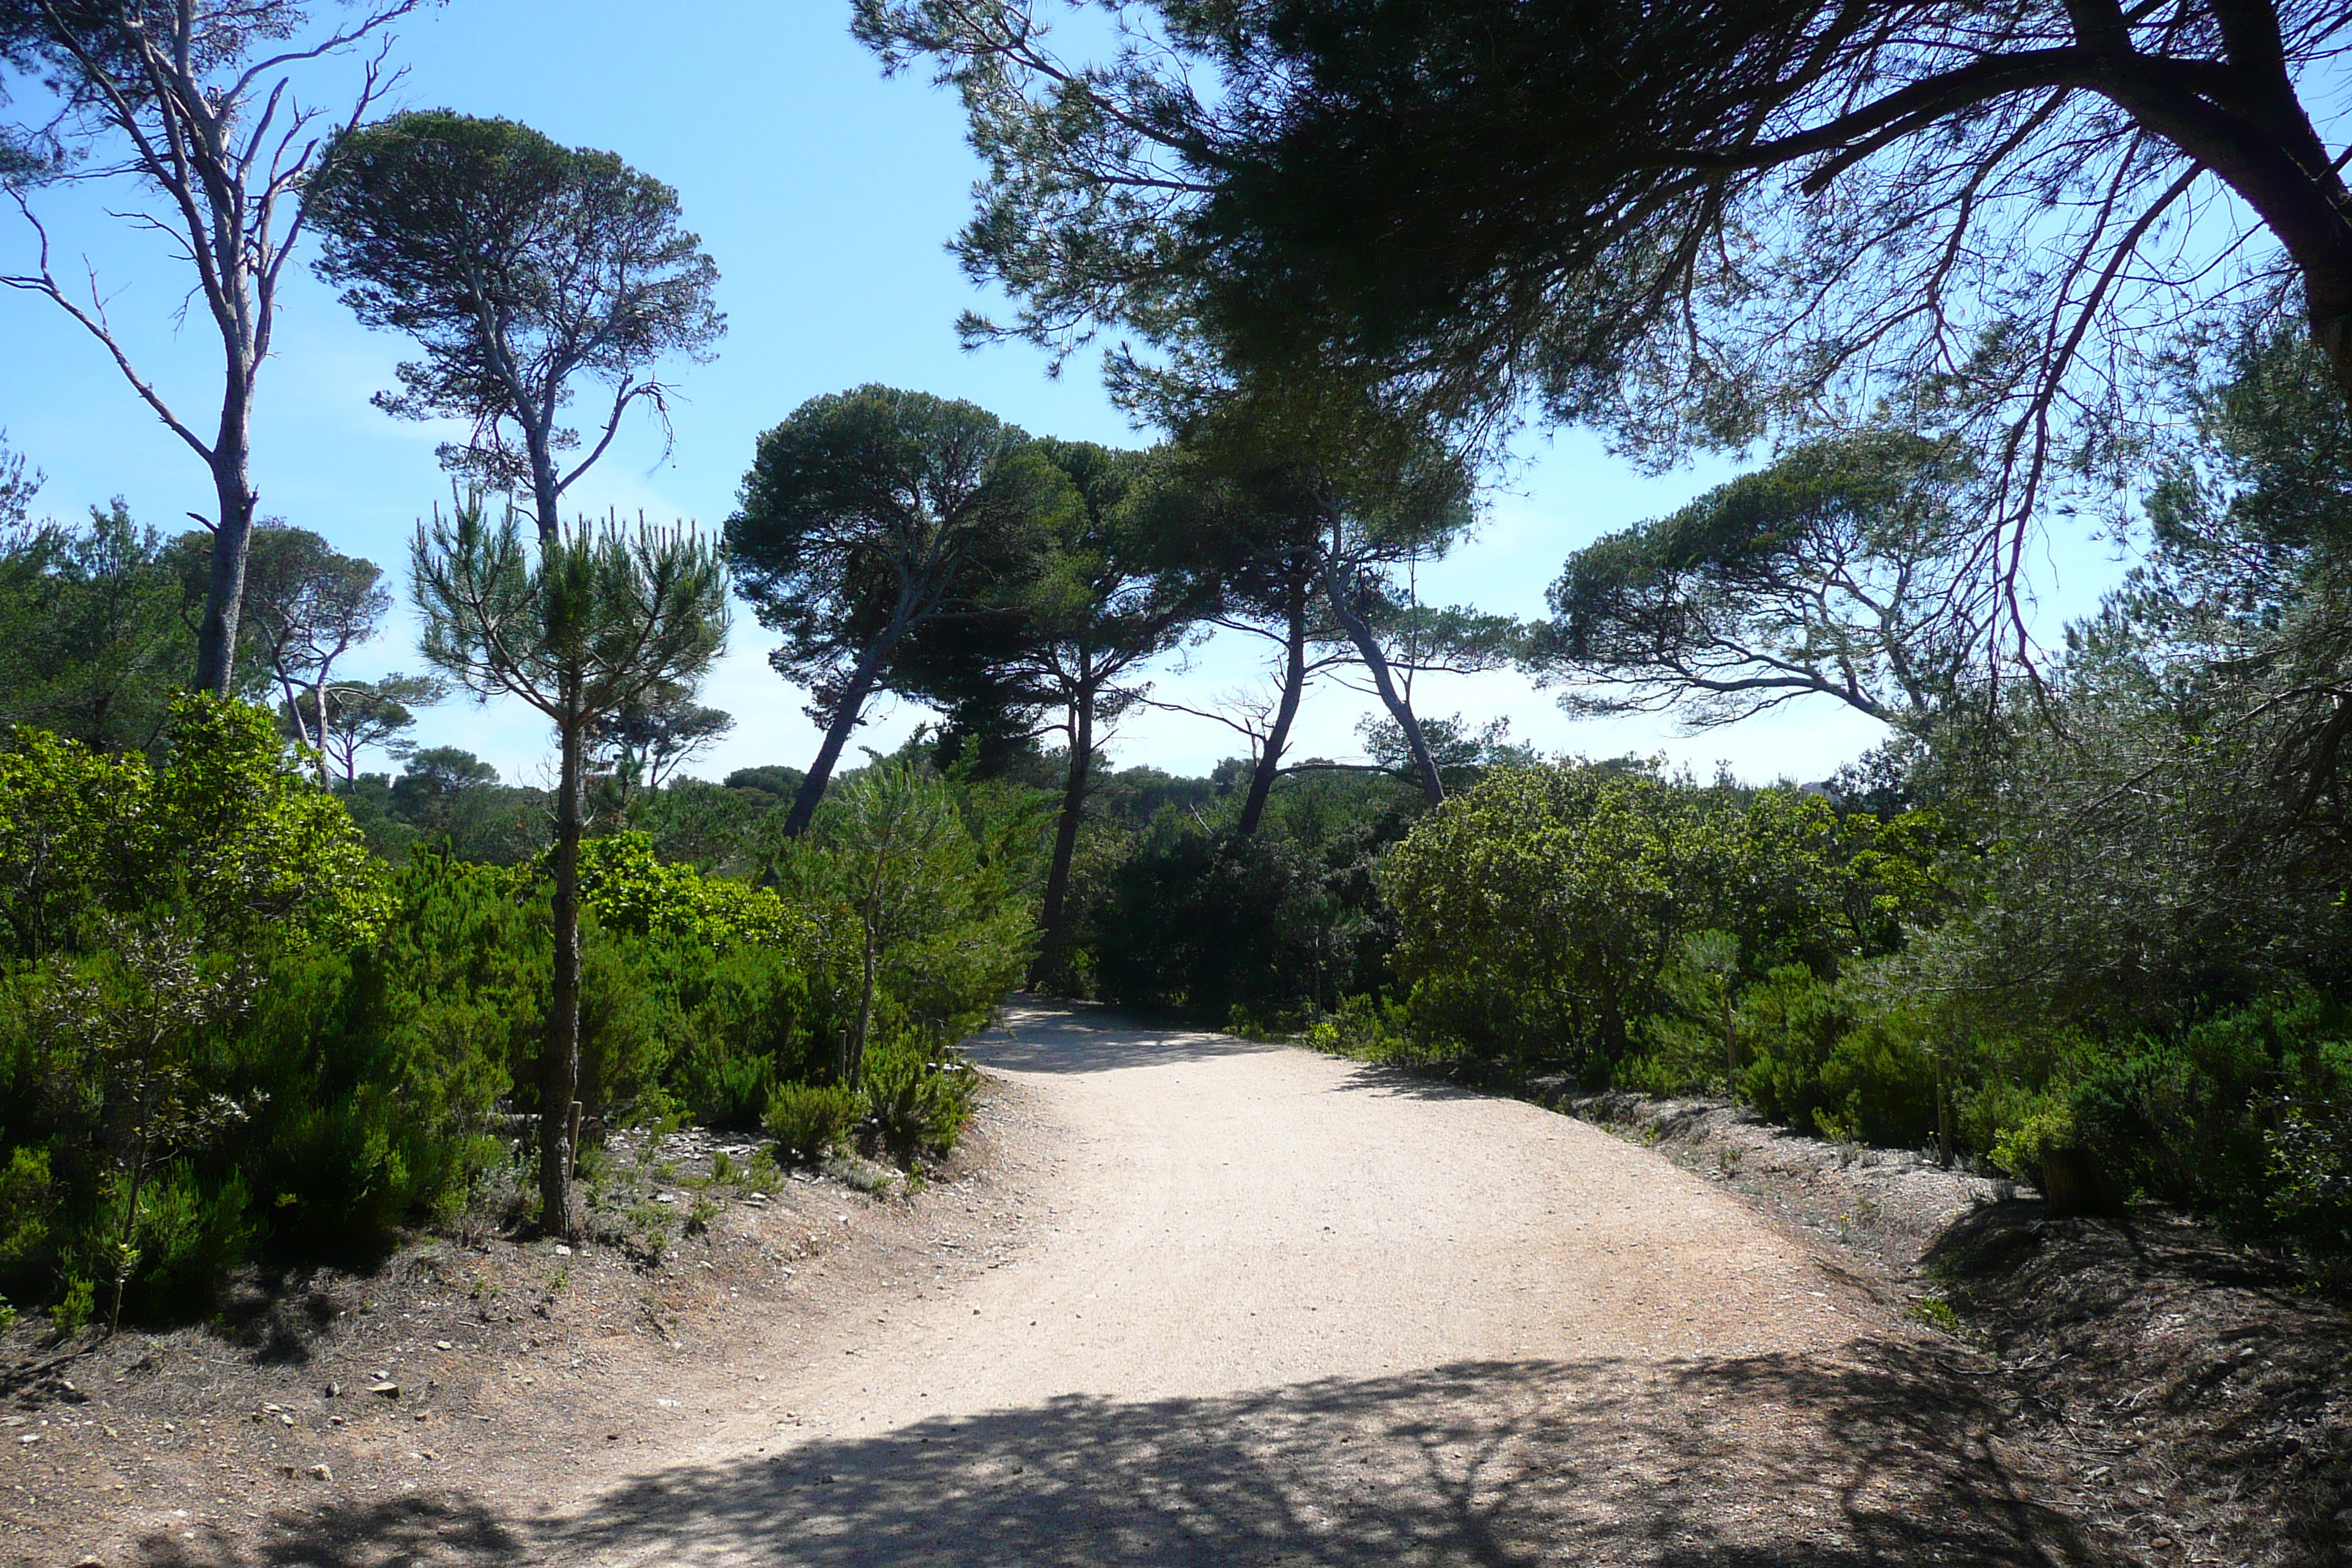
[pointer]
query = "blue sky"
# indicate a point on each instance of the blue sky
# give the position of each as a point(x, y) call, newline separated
point(826, 194)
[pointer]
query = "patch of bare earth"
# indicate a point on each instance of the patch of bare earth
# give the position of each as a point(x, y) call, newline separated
point(341, 1401)
point(2186, 1397)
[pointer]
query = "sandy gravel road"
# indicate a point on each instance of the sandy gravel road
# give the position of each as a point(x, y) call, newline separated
point(1284, 1310)
point(1288, 1311)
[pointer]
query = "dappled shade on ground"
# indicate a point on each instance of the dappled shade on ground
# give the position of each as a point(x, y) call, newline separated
point(1056, 1039)
point(1882, 1455)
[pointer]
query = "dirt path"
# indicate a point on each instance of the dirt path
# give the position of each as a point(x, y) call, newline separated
point(1279, 1308)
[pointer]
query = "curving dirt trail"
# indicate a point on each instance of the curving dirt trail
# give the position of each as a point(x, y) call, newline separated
point(1291, 1310)
point(1273, 1308)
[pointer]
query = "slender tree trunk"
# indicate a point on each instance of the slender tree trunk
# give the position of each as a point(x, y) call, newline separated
point(845, 714)
point(1946, 1139)
point(232, 462)
point(130, 1219)
point(318, 714)
point(853, 1050)
point(1277, 738)
point(559, 1082)
point(1730, 1043)
point(544, 496)
point(1368, 648)
point(1065, 834)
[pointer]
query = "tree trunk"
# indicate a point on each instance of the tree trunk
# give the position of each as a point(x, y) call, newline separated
point(232, 539)
point(1065, 835)
point(836, 733)
point(545, 500)
point(319, 714)
point(1368, 648)
point(853, 1050)
point(1294, 681)
point(1730, 1042)
point(1946, 1140)
point(559, 1079)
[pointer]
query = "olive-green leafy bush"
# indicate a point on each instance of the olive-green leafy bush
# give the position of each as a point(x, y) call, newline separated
point(919, 1092)
point(1547, 913)
point(809, 1121)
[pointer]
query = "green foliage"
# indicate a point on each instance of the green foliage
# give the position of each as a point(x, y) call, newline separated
point(921, 910)
point(919, 1092)
point(629, 891)
point(517, 264)
point(862, 519)
point(809, 1121)
point(1178, 911)
point(179, 1033)
point(1937, 1313)
point(449, 800)
point(74, 1308)
point(1541, 914)
point(1791, 1023)
point(1841, 570)
point(27, 1203)
point(1367, 1030)
point(743, 1022)
point(95, 630)
point(1878, 1085)
point(227, 828)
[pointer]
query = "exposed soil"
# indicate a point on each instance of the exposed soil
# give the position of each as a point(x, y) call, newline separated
point(2190, 1397)
point(1890, 1205)
point(481, 1365)
point(1190, 1299)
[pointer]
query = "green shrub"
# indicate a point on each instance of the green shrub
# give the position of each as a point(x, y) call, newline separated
point(1215, 927)
point(190, 1231)
point(27, 1200)
point(627, 889)
point(809, 1121)
point(1369, 1029)
point(920, 1093)
point(1545, 914)
point(1878, 1085)
point(2310, 1172)
point(74, 1307)
point(342, 1035)
point(745, 1024)
point(1790, 1025)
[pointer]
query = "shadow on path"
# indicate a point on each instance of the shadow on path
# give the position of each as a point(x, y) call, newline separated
point(1771, 1462)
point(1055, 1036)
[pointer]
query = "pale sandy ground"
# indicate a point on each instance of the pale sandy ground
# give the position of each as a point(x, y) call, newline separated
point(1273, 1308)
point(1290, 1311)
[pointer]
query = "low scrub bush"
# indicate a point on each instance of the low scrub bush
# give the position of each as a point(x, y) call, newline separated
point(1790, 1024)
point(1368, 1029)
point(810, 1121)
point(225, 1027)
point(919, 1092)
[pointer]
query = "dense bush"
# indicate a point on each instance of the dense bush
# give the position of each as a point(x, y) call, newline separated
point(1549, 912)
point(225, 1027)
point(1904, 980)
point(918, 1092)
point(1179, 912)
point(178, 932)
